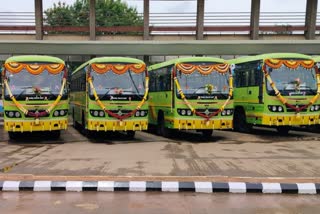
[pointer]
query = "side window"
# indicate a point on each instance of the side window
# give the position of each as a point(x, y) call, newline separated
point(153, 80)
point(248, 74)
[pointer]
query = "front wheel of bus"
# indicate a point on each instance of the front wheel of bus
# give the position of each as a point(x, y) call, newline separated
point(283, 130)
point(207, 133)
point(240, 121)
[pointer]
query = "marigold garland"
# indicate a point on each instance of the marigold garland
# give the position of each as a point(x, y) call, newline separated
point(41, 114)
point(35, 69)
point(118, 68)
point(203, 69)
point(278, 93)
point(187, 103)
point(122, 117)
point(293, 64)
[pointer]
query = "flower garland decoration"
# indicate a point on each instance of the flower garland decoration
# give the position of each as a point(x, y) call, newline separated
point(35, 69)
point(187, 103)
point(290, 64)
point(32, 114)
point(118, 68)
point(125, 116)
point(202, 69)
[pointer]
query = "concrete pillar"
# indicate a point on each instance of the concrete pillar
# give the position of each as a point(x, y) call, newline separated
point(39, 19)
point(311, 19)
point(200, 19)
point(92, 20)
point(146, 19)
point(254, 19)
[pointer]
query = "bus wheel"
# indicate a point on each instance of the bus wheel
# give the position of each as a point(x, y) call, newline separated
point(240, 122)
point(13, 135)
point(131, 134)
point(55, 134)
point(283, 130)
point(207, 133)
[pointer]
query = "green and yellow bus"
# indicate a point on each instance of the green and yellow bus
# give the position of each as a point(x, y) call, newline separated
point(35, 95)
point(192, 93)
point(110, 94)
point(278, 90)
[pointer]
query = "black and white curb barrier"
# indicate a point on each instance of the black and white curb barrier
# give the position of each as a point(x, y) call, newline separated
point(160, 186)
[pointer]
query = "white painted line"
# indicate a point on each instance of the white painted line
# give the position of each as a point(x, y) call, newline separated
point(205, 187)
point(106, 186)
point(137, 186)
point(74, 186)
point(307, 188)
point(10, 186)
point(170, 186)
point(237, 187)
point(42, 186)
point(271, 188)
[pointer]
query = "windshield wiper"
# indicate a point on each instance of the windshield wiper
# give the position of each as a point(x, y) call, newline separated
point(23, 91)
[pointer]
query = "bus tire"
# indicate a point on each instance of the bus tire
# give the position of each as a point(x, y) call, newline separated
point(240, 122)
point(207, 133)
point(131, 134)
point(283, 130)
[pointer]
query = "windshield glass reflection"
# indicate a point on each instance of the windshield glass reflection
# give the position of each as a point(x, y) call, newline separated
point(24, 85)
point(291, 82)
point(127, 86)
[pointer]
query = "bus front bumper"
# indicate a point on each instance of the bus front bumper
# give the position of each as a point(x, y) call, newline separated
point(290, 120)
point(202, 124)
point(126, 125)
point(35, 125)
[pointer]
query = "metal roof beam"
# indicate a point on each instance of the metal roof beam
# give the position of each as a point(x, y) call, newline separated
point(162, 48)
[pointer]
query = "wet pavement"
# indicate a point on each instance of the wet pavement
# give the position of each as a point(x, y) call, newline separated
point(264, 153)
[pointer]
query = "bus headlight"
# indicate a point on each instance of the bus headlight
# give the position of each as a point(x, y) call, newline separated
point(101, 114)
point(142, 114)
point(61, 112)
point(17, 114)
point(137, 113)
point(315, 108)
point(275, 108)
point(12, 114)
point(312, 108)
point(97, 113)
point(56, 113)
point(189, 112)
point(183, 112)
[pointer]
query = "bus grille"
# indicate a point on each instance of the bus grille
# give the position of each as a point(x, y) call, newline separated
point(120, 112)
point(206, 111)
point(39, 111)
point(297, 106)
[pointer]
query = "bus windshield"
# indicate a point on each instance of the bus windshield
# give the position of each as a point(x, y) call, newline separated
point(293, 82)
point(197, 86)
point(112, 86)
point(26, 86)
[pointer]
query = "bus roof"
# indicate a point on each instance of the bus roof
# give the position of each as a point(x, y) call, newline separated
point(268, 56)
point(316, 58)
point(35, 58)
point(109, 60)
point(186, 59)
